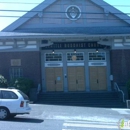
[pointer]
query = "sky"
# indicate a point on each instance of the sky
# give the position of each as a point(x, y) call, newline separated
point(123, 5)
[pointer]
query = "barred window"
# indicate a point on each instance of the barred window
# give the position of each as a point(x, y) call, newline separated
point(16, 73)
point(53, 57)
point(79, 56)
point(97, 56)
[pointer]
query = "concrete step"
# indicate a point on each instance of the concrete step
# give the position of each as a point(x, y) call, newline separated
point(105, 99)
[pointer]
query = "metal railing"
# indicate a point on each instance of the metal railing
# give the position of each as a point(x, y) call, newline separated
point(38, 88)
point(116, 87)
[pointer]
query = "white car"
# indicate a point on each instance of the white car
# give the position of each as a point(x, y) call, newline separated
point(13, 102)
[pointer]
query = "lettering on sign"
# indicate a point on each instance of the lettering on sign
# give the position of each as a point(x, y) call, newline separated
point(15, 62)
point(73, 45)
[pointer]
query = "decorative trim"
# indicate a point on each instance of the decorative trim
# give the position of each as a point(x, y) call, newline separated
point(75, 64)
point(73, 12)
point(53, 64)
point(97, 64)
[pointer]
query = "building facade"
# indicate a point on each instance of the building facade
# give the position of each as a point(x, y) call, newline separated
point(68, 46)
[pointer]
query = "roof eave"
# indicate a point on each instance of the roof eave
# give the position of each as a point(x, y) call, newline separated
point(46, 36)
point(112, 10)
point(27, 16)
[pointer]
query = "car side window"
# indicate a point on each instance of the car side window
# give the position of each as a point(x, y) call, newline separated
point(8, 95)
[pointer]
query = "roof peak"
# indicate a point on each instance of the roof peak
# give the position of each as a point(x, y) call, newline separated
point(46, 3)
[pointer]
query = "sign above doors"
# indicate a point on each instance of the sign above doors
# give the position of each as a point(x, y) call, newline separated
point(74, 45)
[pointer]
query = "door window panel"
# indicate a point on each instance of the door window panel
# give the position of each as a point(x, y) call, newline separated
point(78, 56)
point(100, 56)
point(53, 57)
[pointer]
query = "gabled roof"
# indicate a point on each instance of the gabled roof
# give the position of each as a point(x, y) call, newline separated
point(46, 3)
point(112, 10)
point(29, 15)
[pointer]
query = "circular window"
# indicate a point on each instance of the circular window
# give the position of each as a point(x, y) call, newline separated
point(73, 12)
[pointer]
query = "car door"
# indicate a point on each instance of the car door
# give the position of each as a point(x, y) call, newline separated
point(10, 100)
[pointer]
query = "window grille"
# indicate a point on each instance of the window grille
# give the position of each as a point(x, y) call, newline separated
point(100, 56)
point(78, 56)
point(16, 73)
point(53, 57)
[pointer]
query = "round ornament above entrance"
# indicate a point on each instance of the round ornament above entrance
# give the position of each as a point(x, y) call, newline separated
point(73, 12)
point(74, 58)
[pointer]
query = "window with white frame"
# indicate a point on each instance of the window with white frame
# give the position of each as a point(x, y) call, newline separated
point(94, 56)
point(78, 56)
point(53, 57)
point(16, 72)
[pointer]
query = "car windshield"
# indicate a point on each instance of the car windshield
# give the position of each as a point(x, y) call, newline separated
point(24, 95)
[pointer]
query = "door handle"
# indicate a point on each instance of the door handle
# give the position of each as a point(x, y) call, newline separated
point(76, 81)
point(97, 80)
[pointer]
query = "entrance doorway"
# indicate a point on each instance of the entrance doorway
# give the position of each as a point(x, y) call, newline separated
point(76, 79)
point(98, 78)
point(54, 79)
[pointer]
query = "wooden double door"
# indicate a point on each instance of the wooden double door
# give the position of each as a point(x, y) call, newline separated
point(76, 79)
point(54, 79)
point(98, 78)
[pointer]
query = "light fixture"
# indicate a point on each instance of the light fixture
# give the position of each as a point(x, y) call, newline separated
point(97, 50)
point(74, 50)
point(53, 51)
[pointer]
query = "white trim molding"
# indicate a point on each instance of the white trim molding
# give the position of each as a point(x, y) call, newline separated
point(53, 64)
point(75, 64)
point(97, 64)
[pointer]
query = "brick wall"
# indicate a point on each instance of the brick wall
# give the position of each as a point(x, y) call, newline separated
point(30, 63)
point(120, 65)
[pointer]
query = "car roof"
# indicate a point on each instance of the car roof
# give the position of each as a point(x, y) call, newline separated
point(9, 89)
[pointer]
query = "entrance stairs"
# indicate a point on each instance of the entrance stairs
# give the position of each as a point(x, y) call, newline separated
point(100, 99)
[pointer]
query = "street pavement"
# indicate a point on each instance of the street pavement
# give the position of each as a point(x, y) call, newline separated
point(56, 117)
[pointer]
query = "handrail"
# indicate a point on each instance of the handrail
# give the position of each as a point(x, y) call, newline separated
point(38, 88)
point(116, 87)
